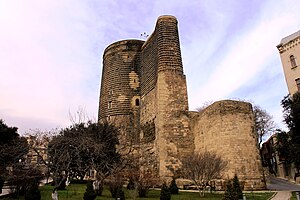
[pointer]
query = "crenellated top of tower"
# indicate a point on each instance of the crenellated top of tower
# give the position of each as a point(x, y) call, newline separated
point(167, 17)
point(123, 45)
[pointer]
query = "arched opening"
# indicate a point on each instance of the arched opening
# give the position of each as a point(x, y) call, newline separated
point(137, 102)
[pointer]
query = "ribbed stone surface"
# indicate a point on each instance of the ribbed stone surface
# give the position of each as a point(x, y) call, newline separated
point(120, 80)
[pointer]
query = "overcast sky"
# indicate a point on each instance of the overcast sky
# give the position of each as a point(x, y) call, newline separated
point(51, 52)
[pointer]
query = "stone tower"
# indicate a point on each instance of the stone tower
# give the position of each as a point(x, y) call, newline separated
point(144, 93)
point(168, 98)
point(120, 86)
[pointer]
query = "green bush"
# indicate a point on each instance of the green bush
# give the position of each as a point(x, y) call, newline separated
point(33, 193)
point(89, 193)
point(165, 193)
point(237, 190)
point(142, 190)
point(233, 189)
point(130, 185)
point(173, 187)
point(120, 195)
point(228, 191)
point(115, 188)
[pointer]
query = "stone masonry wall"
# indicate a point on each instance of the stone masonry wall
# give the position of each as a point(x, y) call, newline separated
point(149, 62)
point(227, 128)
point(164, 98)
point(174, 138)
point(144, 93)
point(120, 85)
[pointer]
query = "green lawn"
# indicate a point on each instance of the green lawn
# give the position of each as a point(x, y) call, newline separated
point(76, 191)
point(259, 196)
point(293, 196)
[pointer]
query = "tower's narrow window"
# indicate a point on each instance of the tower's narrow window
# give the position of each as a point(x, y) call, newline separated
point(293, 61)
point(298, 84)
point(137, 102)
point(109, 104)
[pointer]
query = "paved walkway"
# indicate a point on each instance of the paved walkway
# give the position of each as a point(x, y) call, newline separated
point(4, 191)
point(282, 195)
point(283, 188)
point(278, 184)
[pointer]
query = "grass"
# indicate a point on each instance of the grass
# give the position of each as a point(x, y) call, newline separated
point(293, 196)
point(76, 191)
point(259, 196)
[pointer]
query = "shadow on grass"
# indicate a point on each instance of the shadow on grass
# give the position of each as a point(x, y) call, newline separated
point(76, 192)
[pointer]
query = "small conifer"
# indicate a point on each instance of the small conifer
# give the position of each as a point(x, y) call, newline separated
point(130, 185)
point(165, 193)
point(173, 187)
point(33, 193)
point(228, 191)
point(233, 189)
point(89, 192)
point(236, 186)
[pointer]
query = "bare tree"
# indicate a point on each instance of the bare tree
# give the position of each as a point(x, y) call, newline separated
point(37, 156)
point(263, 123)
point(80, 116)
point(201, 168)
point(13, 151)
point(83, 147)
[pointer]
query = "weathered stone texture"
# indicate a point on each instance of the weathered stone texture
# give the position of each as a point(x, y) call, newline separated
point(149, 62)
point(174, 136)
point(119, 78)
point(120, 92)
point(227, 128)
point(144, 92)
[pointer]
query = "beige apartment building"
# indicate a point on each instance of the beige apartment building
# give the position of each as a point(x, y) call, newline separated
point(289, 49)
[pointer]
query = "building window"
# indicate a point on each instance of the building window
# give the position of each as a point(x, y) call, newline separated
point(293, 61)
point(109, 104)
point(137, 102)
point(298, 84)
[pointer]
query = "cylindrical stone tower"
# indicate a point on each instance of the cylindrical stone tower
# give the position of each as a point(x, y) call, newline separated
point(120, 84)
point(227, 128)
point(174, 139)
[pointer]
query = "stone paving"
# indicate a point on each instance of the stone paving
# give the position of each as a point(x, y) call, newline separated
point(4, 191)
point(279, 184)
point(282, 195)
point(283, 188)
